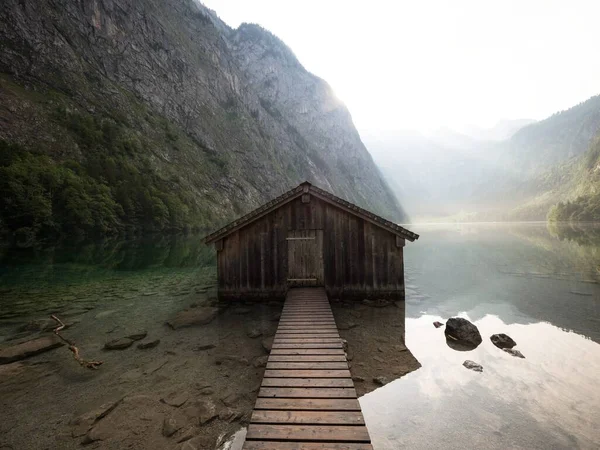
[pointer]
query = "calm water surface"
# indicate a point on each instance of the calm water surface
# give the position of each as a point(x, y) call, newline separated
point(538, 285)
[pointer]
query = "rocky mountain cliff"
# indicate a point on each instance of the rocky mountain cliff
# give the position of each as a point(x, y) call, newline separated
point(156, 115)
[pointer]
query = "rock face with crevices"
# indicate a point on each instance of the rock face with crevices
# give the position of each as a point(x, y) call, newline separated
point(219, 119)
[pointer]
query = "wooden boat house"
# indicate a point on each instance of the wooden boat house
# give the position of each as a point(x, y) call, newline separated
point(309, 237)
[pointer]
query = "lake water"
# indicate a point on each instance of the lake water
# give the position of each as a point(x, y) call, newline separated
point(538, 285)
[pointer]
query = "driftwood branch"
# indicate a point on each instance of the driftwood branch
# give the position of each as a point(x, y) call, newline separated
point(87, 364)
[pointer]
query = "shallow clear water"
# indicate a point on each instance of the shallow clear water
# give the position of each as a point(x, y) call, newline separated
point(538, 285)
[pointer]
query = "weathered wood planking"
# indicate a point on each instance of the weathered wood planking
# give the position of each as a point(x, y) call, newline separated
point(307, 395)
point(274, 445)
point(308, 417)
point(350, 256)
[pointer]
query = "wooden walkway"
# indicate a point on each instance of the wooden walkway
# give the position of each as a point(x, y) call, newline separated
point(307, 398)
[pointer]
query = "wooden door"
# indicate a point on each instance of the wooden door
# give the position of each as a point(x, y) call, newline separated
point(305, 258)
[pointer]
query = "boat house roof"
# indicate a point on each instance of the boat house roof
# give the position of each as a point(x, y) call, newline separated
point(308, 188)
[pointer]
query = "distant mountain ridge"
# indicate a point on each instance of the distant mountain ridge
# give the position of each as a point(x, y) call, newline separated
point(456, 175)
point(504, 129)
point(158, 116)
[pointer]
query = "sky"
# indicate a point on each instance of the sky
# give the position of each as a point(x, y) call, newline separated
point(439, 63)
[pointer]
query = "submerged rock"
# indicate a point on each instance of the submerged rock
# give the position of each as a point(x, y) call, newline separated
point(118, 344)
point(138, 336)
point(38, 325)
point(201, 411)
point(502, 341)
point(380, 380)
point(201, 442)
point(205, 346)
point(176, 399)
point(261, 361)
point(462, 332)
point(29, 348)
point(254, 333)
point(148, 344)
point(438, 324)
point(513, 352)
point(473, 365)
point(171, 426)
point(85, 421)
point(267, 344)
point(196, 316)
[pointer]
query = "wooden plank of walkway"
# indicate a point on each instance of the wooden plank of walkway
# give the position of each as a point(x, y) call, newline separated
point(307, 399)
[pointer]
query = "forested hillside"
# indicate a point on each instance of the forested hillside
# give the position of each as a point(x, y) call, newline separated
point(122, 115)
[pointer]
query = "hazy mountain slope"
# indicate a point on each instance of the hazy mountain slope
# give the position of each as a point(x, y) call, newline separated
point(516, 179)
point(570, 191)
point(156, 115)
point(504, 129)
point(566, 134)
point(434, 176)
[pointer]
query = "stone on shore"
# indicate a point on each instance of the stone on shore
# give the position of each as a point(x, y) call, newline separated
point(438, 324)
point(502, 341)
point(29, 348)
point(193, 317)
point(462, 332)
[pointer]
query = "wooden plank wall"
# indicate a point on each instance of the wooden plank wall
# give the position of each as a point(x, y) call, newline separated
point(360, 259)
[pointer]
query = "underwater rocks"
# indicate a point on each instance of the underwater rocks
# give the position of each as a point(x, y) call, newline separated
point(462, 332)
point(473, 366)
point(254, 333)
point(29, 348)
point(118, 344)
point(267, 344)
point(195, 316)
point(148, 344)
point(502, 341)
point(381, 380)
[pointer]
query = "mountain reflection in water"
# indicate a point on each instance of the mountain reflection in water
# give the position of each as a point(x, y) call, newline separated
point(534, 284)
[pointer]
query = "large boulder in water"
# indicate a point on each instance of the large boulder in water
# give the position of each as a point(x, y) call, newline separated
point(502, 341)
point(462, 332)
